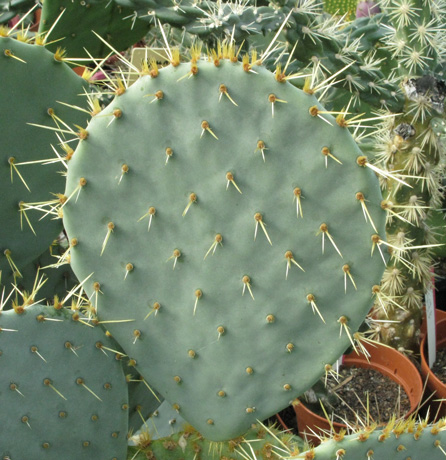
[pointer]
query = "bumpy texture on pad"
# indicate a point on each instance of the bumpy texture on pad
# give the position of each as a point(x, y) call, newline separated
point(221, 214)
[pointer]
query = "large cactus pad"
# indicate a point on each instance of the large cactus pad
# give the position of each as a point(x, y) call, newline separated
point(221, 212)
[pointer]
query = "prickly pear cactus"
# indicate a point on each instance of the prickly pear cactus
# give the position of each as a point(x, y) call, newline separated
point(62, 394)
point(400, 440)
point(33, 81)
point(259, 442)
point(231, 226)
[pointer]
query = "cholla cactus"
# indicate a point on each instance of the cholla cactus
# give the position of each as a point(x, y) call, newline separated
point(410, 145)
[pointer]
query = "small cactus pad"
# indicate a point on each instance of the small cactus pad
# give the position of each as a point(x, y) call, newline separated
point(231, 228)
point(400, 441)
point(403, 440)
point(33, 82)
point(62, 394)
point(259, 442)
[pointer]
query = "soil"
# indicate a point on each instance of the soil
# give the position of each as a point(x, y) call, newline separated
point(288, 417)
point(386, 397)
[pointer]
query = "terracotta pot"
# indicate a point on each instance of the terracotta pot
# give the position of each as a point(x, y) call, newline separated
point(79, 70)
point(388, 362)
point(37, 16)
point(439, 315)
point(436, 386)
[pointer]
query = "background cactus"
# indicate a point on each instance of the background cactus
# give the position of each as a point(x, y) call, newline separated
point(80, 19)
point(411, 144)
point(11, 8)
point(43, 272)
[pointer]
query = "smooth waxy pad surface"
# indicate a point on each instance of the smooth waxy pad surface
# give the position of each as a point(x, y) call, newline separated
point(62, 393)
point(221, 221)
point(33, 83)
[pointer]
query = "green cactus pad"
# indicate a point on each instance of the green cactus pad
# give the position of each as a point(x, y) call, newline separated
point(259, 442)
point(61, 394)
point(212, 185)
point(32, 83)
point(109, 20)
point(401, 441)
